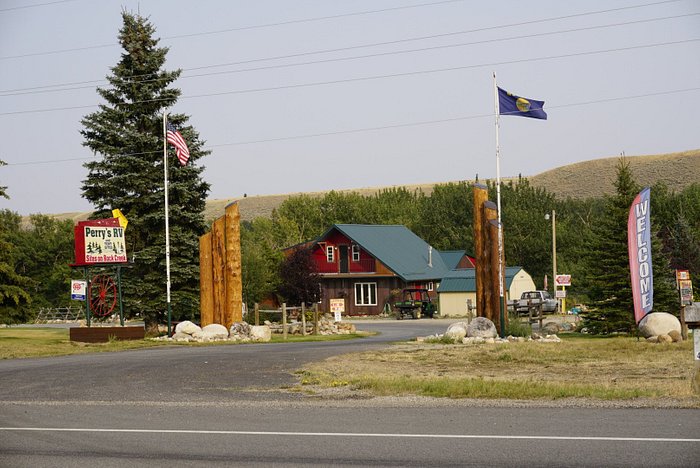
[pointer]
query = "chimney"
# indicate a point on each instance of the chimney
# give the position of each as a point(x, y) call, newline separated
point(430, 256)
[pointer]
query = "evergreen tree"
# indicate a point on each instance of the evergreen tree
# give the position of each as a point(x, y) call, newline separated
point(607, 274)
point(127, 131)
point(13, 287)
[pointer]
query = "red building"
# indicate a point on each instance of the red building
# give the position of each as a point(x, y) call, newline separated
point(367, 265)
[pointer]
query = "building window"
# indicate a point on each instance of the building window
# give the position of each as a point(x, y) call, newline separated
point(330, 258)
point(355, 253)
point(365, 294)
point(430, 286)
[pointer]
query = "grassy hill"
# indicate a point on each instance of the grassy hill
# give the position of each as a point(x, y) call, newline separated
point(580, 180)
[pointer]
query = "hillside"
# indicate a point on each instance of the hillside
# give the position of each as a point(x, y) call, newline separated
point(580, 180)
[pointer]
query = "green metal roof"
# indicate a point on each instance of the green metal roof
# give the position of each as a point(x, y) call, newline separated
point(452, 257)
point(398, 248)
point(465, 280)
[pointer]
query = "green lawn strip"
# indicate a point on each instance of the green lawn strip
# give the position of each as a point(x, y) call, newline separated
point(43, 342)
point(493, 389)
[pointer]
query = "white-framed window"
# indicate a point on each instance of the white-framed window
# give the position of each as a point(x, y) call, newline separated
point(365, 294)
point(430, 286)
point(330, 254)
point(355, 253)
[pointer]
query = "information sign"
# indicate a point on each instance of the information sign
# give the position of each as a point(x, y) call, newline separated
point(78, 290)
point(562, 280)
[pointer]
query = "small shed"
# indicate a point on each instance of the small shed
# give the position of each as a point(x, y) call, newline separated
point(460, 285)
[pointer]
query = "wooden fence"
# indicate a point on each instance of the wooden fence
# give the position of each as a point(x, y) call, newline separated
point(285, 313)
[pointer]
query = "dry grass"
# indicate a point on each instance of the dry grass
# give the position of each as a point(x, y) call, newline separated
point(600, 368)
point(581, 180)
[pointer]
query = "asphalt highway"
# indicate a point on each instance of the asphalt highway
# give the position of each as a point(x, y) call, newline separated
point(226, 406)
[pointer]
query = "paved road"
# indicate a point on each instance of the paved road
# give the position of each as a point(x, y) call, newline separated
point(222, 406)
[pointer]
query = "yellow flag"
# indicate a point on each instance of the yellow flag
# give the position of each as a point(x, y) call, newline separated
point(122, 219)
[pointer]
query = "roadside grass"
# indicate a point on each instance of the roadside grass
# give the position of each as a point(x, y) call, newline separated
point(610, 368)
point(43, 342)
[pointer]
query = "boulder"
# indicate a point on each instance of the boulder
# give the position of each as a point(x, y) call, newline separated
point(664, 339)
point(215, 331)
point(653, 339)
point(181, 337)
point(260, 333)
point(456, 331)
point(675, 336)
point(187, 327)
point(551, 328)
point(658, 323)
point(481, 327)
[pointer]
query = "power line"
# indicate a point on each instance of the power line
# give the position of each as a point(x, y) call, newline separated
point(34, 5)
point(242, 28)
point(371, 129)
point(357, 57)
point(340, 49)
point(368, 78)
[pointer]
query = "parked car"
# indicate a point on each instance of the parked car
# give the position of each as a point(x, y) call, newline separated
point(415, 303)
point(549, 304)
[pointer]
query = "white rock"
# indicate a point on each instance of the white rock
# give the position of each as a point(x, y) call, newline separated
point(260, 333)
point(215, 331)
point(658, 323)
point(187, 327)
point(456, 331)
point(482, 327)
point(179, 336)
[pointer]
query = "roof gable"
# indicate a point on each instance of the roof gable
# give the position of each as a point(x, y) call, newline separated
point(398, 248)
point(465, 280)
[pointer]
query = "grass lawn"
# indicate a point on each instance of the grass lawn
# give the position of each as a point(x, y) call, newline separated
point(42, 342)
point(602, 368)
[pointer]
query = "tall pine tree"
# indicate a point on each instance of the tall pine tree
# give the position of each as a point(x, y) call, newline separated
point(127, 132)
point(607, 274)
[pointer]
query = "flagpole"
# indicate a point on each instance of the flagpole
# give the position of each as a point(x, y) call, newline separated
point(167, 224)
point(498, 205)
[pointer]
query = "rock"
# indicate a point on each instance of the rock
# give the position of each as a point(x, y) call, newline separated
point(456, 331)
point(567, 326)
point(653, 339)
point(551, 328)
point(675, 336)
point(658, 323)
point(489, 340)
point(536, 336)
point(187, 327)
point(179, 336)
point(239, 330)
point(664, 339)
point(482, 327)
point(215, 331)
point(260, 333)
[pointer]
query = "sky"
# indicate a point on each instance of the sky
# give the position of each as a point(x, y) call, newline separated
point(311, 95)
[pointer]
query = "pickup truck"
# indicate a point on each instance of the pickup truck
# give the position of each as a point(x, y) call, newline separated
point(549, 304)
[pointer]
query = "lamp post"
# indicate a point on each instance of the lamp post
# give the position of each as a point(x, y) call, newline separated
point(554, 251)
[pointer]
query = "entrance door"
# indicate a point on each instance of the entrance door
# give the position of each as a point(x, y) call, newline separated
point(343, 258)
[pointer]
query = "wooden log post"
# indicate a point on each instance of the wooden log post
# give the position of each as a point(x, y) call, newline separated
point(284, 320)
point(480, 197)
point(493, 257)
point(489, 213)
point(256, 307)
point(206, 280)
point(234, 286)
point(303, 319)
point(316, 319)
point(218, 261)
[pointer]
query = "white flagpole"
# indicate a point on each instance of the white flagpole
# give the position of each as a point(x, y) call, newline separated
point(167, 224)
point(498, 204)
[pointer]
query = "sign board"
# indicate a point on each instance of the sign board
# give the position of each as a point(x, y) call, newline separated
point(337, 308)
point(682, 275)
point(686, 290)
point(99, 241)
point(560, 293)
point(78, 290)
point(562, 280)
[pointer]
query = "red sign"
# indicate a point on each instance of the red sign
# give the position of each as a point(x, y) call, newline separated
point(99, 241)
point(562, 280)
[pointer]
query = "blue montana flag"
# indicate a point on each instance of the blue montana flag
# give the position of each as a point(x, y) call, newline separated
point(510, 104)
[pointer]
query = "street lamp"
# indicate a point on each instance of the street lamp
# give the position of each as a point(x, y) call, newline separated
point(554, 249)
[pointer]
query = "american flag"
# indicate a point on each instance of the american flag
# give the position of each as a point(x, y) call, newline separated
point(175, 139)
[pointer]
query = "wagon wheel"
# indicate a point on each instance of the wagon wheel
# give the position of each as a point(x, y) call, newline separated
point(102, 295)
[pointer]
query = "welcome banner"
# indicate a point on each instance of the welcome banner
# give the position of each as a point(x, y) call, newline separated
point(639, 247)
